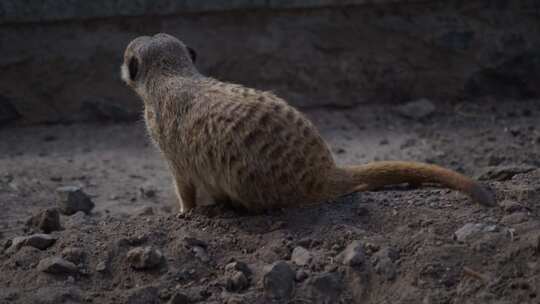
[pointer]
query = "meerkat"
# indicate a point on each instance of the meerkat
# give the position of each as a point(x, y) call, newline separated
point(249, 147)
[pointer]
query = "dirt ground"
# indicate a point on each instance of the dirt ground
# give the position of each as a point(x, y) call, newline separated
point(424, 245)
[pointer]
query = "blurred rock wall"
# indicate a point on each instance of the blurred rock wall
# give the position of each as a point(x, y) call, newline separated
point(60, 61)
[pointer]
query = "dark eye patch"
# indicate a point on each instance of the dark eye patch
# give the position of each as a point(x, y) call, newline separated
point(133, 67)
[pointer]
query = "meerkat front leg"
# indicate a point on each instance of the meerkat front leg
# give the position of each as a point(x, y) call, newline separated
point(186, 193)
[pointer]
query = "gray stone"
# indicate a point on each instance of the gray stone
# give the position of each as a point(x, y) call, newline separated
point(39, 241)
point(238, 266)
point(143, 295)
point(353, 255)
point(101, 267)
point(144, 257)
point(418, 109)
point(236, 281)
point(301, 256)
point(45, 221)
point(471, 231)
point(72, 199)
point(502, 173)
point(278, 281)
point(237, 276)
point(56, 265)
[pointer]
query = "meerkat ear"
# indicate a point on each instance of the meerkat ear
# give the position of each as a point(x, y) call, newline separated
point(192, 54)
point(133, 67)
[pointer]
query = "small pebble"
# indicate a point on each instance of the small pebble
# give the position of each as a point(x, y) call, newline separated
point(56, 265)
point(144, 257)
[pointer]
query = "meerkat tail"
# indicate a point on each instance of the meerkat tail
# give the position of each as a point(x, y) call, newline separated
point(375, 175)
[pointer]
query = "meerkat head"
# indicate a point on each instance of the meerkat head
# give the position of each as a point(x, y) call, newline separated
point(160, 55)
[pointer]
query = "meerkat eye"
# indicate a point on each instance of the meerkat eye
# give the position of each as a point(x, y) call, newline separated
point(133, 68)
point(192, 54)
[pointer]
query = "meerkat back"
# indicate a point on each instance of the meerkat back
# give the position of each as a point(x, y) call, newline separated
point(255, 150)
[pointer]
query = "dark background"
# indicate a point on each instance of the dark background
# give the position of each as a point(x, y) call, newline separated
point(60, 59)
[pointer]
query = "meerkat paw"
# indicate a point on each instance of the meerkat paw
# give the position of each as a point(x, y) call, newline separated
point(184, 208)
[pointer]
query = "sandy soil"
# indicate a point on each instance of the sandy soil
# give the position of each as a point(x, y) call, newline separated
point(415, 245)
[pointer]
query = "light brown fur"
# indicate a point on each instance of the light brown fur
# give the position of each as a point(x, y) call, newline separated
point(246, 146)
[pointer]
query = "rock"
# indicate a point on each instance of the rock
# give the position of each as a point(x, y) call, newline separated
point(236, 281)
point(45, 221)
point(301, 256)
point(179, 298)
point(143, 295)
point(502, 173)
point(418, 109)
point(238, 266)
point(383, 262)
point(472, 231)
point(237, 276)
point(144, 257)
point(74, 255)
point(39, 241)
point(353, 255)
point(56, 265)
point(278, 281)
point(325, 287)
point(72, 199)
point(101, 267)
